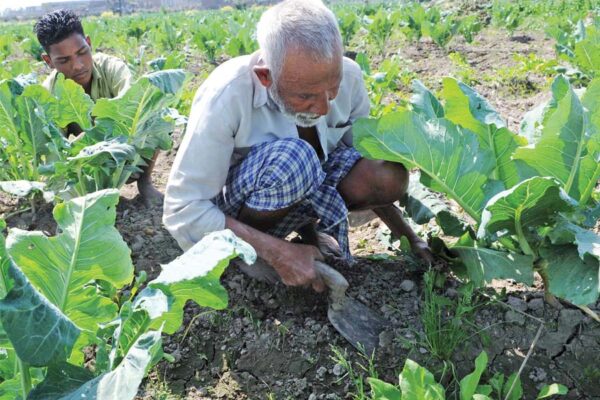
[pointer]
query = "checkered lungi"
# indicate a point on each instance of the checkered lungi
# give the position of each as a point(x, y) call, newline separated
point(287, 172)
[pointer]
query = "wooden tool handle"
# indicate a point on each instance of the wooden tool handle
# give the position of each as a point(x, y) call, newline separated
point(335, 281)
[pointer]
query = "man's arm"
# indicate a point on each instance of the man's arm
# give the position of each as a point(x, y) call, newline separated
point(390, 215)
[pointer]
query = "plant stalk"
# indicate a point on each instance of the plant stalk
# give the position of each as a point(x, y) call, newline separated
point(522, 240)
point(540, 267)
point(25, 378)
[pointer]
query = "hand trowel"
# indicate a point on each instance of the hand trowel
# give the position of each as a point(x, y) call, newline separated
point(356, 322)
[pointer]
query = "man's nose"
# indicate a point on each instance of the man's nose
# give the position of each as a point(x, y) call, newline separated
point(321, 106)
point(78, 65)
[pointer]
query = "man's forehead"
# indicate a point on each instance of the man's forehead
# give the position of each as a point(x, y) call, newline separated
point(307, 70)
point(69, 45)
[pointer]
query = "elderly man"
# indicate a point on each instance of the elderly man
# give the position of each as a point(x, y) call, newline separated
point(69, 51)
point(268, 149)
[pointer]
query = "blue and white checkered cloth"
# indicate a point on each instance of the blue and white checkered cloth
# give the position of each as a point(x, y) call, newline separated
point(287, 173)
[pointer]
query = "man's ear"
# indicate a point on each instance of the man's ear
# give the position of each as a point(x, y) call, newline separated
point(88, 41)
point(264, 75)
point(47, 60)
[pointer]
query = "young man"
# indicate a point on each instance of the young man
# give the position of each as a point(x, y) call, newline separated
point(69, 51)
point(268, 149)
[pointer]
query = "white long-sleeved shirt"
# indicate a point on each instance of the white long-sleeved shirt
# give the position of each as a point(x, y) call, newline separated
point(232, 112)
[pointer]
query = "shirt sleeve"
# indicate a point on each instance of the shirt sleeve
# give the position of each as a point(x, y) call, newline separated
point(119, 76)
point(200, 169)
point(361, 106)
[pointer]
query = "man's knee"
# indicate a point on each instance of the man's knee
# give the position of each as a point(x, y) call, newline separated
point(291, 171)
point(393, 180)
point(373, 184)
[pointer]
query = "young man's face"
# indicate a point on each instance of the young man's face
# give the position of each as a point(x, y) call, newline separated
point(73, 58)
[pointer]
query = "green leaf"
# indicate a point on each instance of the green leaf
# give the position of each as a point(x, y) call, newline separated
point(8, 113)
point(61, 378)
point(532, 124)
point(7, 363)
point(168, 81)
point(587, 241)
point(115, 149)
point(517, 391)
point(134, 320)
point(87, 248)
point(534, 202)
point(563, 142)
point(552, 390)
point(449, 158)
point(467, 108)
point(122, 383)
point(422, 205)
point(195, 275)
point(25, 188)
point(570, 277)
point(483, 265)
point(587, 51)
point(140, 113)
point(39, 332)
point(95, 167)
point(484, 390)
point(363, 62)
point(416, 383)
point(34, 126)
point(497, 383)
point(9, 389)
point(468, 384)
point(381, 390)
point(43, 99)
point(424, 102)
point(73, 104)
point(6, 279)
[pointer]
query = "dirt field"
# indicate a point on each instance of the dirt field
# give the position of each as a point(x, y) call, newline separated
point(274, 341)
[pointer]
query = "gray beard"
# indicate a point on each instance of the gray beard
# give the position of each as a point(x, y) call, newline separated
point(304, 120)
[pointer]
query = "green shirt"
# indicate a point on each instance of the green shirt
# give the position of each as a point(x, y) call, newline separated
point(110, 77)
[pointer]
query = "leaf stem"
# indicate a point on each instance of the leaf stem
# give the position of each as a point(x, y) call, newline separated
point(522, 240)
point(25, 378)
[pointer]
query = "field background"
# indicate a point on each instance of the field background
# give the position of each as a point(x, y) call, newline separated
point(276, 343)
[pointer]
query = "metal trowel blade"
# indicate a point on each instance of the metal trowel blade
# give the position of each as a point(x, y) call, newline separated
point(358, 324)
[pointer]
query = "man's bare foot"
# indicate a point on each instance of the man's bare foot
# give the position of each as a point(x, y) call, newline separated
point(328, 246)
point(150, 195)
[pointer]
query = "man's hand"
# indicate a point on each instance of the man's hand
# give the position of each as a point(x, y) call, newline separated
point(295, 263)
point(421, 249)
point(392, 217)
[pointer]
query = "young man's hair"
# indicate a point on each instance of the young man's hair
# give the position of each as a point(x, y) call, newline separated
point(56, 26)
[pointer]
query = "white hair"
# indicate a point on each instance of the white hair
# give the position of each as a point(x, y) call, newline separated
point(305, 25)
